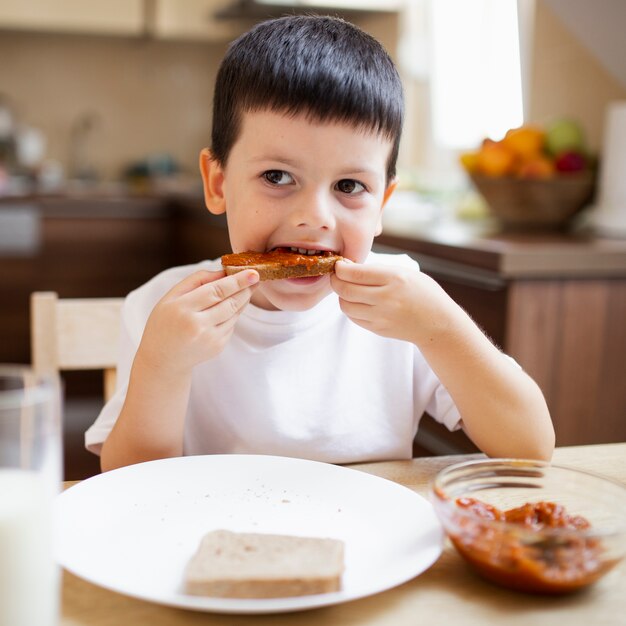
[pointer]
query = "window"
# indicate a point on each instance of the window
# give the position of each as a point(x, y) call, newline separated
point(476, 88)
point(461, 59)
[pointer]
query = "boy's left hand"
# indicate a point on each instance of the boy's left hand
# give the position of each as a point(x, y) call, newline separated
point(398, 302)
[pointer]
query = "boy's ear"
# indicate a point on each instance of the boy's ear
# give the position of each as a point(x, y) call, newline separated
point(212, 182)
point(390, 189)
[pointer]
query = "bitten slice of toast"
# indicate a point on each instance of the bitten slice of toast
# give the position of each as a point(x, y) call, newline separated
point(281, 263)
point(256, 565)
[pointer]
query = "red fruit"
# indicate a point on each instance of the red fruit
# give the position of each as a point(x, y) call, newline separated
point(570, 161)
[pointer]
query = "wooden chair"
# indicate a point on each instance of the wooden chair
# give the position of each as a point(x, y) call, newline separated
point(75, 334)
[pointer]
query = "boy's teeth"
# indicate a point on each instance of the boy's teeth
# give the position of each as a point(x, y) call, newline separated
point(305, 251)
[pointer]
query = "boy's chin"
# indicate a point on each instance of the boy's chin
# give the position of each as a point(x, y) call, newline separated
point(293, 295)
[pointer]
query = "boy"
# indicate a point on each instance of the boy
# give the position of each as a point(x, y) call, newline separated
point(306, 124)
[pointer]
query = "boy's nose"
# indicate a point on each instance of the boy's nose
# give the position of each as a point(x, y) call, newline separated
point(314, 211)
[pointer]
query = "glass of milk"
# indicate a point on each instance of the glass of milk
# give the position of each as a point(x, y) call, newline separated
point(30, 478)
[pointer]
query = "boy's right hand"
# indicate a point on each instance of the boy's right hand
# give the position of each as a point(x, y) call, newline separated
point(194, 320)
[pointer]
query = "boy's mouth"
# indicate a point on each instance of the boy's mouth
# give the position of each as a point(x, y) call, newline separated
point(305, 251)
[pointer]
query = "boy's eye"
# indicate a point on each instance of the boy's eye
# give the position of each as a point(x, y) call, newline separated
point(347, 185)
point(277, 177)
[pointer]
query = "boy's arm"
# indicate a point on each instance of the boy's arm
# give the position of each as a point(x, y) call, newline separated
point(503, 410)
point(190, 324)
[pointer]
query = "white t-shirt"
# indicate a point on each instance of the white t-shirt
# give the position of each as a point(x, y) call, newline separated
point(308, 384)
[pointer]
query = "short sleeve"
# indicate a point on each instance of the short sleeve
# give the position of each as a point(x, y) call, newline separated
point(442, 408)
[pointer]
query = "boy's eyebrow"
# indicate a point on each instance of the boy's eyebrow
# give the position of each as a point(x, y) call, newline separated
point(360, 169)
point(275, 157)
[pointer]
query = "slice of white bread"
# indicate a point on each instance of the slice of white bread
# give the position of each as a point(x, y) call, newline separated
point(279, 264)
point(256, 565)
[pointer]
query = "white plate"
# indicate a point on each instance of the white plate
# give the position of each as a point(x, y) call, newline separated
point(133, 530)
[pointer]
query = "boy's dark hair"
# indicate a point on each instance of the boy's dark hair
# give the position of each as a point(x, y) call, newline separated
point(321, 66)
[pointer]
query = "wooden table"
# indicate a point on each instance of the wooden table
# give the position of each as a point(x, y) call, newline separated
point(447, 594)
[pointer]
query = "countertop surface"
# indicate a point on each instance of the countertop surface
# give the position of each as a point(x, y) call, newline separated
point(483, 245)
point(447, 593)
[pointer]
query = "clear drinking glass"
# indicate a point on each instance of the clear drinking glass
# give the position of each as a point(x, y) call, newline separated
point(30, 478)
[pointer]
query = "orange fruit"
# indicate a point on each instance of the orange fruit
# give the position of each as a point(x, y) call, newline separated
point(494, 159)
point(469, 161)
point(538, 167)
point(525, 142)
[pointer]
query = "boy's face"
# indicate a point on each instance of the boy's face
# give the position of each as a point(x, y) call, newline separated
point(291, 182)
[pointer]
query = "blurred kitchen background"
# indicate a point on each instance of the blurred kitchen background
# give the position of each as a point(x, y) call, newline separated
point(104, 107)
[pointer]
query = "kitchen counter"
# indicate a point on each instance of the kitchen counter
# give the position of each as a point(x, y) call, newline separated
point(556, 302)
point(510, 254)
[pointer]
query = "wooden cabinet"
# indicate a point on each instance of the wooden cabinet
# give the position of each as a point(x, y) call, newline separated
point(189, 20)
point(80, 248)
point(118, 17)
point(555, 303)
point(162, 19)
point(570, 335)
point(193, 19)
point(197, 234)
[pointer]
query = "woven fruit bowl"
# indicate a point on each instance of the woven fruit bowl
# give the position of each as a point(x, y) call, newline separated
point(538, 204)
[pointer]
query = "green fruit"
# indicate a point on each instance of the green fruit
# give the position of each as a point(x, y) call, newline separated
point(564, 135)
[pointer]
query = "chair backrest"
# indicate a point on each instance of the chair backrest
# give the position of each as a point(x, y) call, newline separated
point(75, 334)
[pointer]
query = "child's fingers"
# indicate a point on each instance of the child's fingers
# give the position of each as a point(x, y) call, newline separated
point(210, 294)
point(356, 311)
point(227, 308)
point(193, 281)
point(355, 292)
point(361, 274)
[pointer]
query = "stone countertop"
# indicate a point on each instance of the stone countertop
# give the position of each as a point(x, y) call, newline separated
point(482, 245)
point(107, 202)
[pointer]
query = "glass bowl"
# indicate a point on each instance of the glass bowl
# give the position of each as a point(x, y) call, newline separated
point(530, 525)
